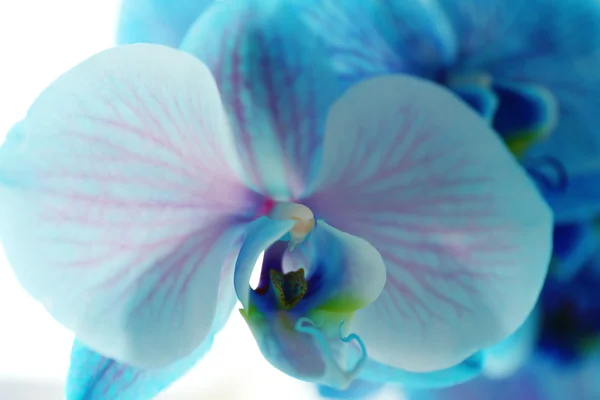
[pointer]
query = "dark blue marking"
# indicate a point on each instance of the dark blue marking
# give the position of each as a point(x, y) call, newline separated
point(570, 314)
point(566, 239)
point(550, 174)
point(518, 110)
point(315, 280)
point(273, 260)
point(480, 99)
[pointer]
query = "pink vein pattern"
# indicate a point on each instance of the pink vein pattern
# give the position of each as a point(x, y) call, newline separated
point(276, 97)
point(126, 202)
point(94, 377)
point(464, 234)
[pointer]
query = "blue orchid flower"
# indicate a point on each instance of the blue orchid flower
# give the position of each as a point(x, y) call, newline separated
point(536, 85)
point(149, 185)
point(529, 67)
point(157, 21)
point(279, 52)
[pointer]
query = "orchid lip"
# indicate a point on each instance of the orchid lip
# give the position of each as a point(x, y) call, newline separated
point(292, 296)
point(277, 290)
point(337, 377)
point(296, 313)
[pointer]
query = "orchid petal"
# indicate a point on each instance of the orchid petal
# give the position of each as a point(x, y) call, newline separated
point(508, 356)
point(352, 36)
point(276, 85)
point(465, 236)
point(157, 21)
point(481, 99)
point(420, 31)
point(371, 38)
point(294, 352)
point(14, 138)
point(94, 377)
point(9, 153)
point(121, 205)
point(554, 44)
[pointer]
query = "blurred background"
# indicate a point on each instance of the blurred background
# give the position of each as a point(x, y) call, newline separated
point(39, 40)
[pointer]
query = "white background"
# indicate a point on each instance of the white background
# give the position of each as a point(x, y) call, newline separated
point(40, 39)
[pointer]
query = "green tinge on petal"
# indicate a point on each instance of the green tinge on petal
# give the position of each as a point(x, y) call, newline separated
point(352, 270)
point(526, 115)
point(519, 142)
point(344, 303)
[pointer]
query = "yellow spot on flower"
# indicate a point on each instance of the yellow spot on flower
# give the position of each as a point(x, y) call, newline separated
point(288, 289)
point(519, 143)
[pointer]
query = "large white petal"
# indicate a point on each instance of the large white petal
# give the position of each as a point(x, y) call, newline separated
point(120, 202)
point(465, 235)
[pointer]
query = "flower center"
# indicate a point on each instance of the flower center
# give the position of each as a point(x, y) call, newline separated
point(279, 290)
point(288, 289)
point(288, 311)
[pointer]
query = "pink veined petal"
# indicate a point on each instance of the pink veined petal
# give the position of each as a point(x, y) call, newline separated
point(465, 236)
point(120, 203)
point(276, 84)
point(94, 377)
